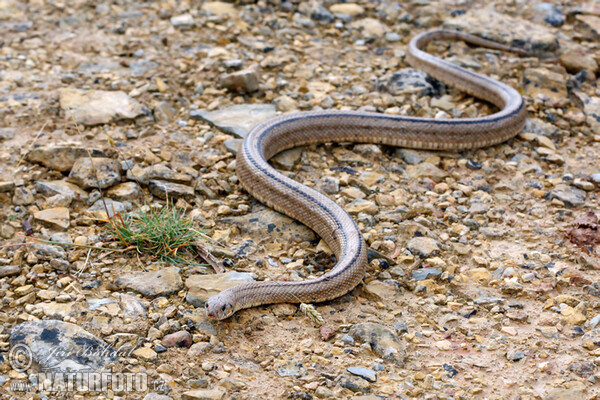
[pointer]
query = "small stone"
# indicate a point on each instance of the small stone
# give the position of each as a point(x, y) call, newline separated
point(95, 172)
point(347, 340)
point(287, 159)
point(577, 59)
point(7, 133)
point(547, 13)
point(424, 273)
point(177, 339)
point(163, 112)
point(354, 384)
point(219, 8)
point(541, 81)
point(169, 190)
point(62, 188)
point(151, 284)
point(370, 27)
point(93, 107)
point(582, 368)
point(408, 81)
point(570, 196)
point(514, 356)
point(362, 206)
point(104, 208)
point(326, 332)
point(426, 170)
point(184, 21)
point(364, 373)
point(285, 104)
point(9, 270)
point(126, 191)
point(244, 81)
point(347, 8)
point(423, 246)
point(382, 340)
point(236, 120)
point(145, 353)
point(22, 196)
point(54, 217)
point(202, 287)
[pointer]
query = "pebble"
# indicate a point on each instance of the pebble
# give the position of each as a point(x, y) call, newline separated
point(409, 81)
point(364, 373)
point(423, 246)
point(382, 340)
point(95, 172)
point(236, 120)
point(177, 339)
point(153, 283)
point(244, 81)
point(54, 217)
point(202, 287)
point(93, 107)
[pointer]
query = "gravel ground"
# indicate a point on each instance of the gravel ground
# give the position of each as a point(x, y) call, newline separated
point(483, 269)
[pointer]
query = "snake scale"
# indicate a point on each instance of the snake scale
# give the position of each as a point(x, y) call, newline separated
point(326, 217)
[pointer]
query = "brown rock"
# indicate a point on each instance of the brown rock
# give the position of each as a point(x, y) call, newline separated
point(177, 339)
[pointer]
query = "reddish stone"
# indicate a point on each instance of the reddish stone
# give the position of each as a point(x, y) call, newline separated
point(177, 339)
point(326, 332)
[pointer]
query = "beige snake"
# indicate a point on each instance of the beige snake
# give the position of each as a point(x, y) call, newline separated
point(322, 214)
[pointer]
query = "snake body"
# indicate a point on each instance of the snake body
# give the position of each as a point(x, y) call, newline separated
point(323, 215)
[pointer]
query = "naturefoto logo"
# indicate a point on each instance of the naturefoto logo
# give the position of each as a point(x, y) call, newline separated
point(60, 371)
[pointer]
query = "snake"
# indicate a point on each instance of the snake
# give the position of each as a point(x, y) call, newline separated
point(323, 215)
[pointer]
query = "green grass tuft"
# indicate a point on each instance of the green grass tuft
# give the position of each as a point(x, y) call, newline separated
point(164, 234)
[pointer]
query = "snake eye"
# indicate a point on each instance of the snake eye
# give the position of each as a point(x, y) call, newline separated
point(224, 307)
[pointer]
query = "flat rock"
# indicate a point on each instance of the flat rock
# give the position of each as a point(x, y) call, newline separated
point(423, 246)
point(569, 195)
point(287, 159)
point(159, 172)
point(364, 373)
point(48, 252)
point(244, 81)
point(422, 274)
point(502, 28)
point(408, 81)
point(542, 81)
point(264, 222)
point(151, 284)
point(96, 172)
point(591, 109)
point(9, 270)
point(383, 341)
point(60, 157)
point(7, 133)
point(219, 8)
point(54, 217)
point(347, 8)
point(426, 170)
point(93, 107)
point(564, 394)
point(381, 290)
point(177, 339)
point(169, 190)
point(202, 287)
point(370, 27)
point(236, 120)
point(204, 394)
point(61, 346)
point(125, 191)
point(62, 188)
point(104, 208)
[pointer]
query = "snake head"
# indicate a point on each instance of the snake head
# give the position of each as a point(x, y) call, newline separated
point(218, 307)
